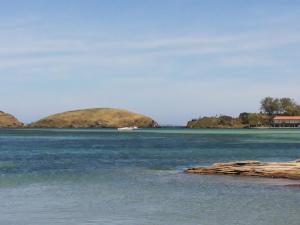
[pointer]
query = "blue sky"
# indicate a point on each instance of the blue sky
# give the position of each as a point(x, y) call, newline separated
point(170, 59)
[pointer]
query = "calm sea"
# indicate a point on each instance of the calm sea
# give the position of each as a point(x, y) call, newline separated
point(100, 176)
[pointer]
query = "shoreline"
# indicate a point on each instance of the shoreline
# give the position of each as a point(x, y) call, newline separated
point(187, 128)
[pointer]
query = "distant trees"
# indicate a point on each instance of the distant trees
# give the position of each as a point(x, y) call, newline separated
point(279, 106)
point(289, 107)
point(254, 119)
point(269, 106)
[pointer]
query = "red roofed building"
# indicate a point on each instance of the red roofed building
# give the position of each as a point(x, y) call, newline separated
point(286, 121)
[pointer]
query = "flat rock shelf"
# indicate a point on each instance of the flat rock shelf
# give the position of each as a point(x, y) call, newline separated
point(288, 170)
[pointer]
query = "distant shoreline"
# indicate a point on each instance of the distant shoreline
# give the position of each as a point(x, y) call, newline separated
point(156, 128)
point(118, 118)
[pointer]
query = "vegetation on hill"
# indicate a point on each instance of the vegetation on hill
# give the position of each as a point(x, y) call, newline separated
point(270, 107)
point(254, 119)
point(215, 122)
point(9, 121)
point(97, 117)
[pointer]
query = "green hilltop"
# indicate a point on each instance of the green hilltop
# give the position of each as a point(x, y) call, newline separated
point(95, 117)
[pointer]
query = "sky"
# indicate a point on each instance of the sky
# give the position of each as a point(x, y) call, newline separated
point(173, 60)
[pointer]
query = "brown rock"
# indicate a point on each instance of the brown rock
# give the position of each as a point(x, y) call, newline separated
point(9, 121)
point(289, 170)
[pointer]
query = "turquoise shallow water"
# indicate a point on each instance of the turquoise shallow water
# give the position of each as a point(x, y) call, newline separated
point(101, 176)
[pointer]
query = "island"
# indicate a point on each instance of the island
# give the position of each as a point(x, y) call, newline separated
point(288, 170)
point(9, 121)
point(95, 118)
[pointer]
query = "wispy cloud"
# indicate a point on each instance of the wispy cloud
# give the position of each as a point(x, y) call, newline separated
point(248, 61)
point(18, 51)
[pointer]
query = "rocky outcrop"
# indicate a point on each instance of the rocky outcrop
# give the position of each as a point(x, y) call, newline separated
point(9, 121)
point(289, 170)
point(215, 122)
point(97, 117)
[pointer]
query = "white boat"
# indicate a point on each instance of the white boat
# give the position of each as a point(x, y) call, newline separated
point(127, 128)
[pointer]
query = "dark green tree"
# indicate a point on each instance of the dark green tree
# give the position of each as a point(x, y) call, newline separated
point(289, 107)
point(244, 118)
point(270, 106)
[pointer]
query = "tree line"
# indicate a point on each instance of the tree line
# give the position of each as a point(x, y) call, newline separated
point(269, 107)
point(280, 106)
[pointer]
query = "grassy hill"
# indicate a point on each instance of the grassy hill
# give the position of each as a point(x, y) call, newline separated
point(96, 117)
point(8, 120)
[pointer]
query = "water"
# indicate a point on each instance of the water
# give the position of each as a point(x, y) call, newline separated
point(94, 176)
